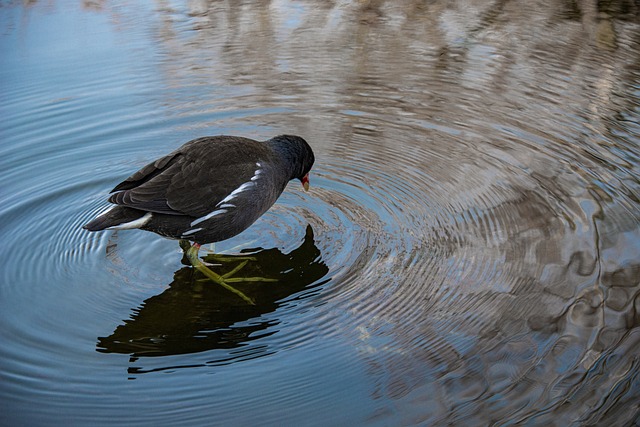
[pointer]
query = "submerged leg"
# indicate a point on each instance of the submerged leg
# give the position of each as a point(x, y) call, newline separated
point(186, 245)
point(192, 254)
point(227, 276)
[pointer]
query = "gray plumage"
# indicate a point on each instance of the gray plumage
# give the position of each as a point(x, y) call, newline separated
point(209, 189)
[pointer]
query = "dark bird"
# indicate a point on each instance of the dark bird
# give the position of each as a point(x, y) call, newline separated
point(208, 190)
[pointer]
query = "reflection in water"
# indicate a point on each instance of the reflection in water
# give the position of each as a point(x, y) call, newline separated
point(475, 202)
point(194, 315)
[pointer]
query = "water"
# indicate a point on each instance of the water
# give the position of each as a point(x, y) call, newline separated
point(469, 252)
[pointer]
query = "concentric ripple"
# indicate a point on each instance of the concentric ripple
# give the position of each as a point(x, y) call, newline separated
point(489, 285)
point(467, 255)
point(447, 275)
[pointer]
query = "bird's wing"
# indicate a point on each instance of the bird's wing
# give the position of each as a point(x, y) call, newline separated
point(191, 182)
point(147, 173)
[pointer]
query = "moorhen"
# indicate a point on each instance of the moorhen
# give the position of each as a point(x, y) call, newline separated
point(208, 190)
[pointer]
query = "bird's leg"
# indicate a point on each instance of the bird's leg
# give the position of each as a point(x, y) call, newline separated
point(185, 245)
point(192, 254)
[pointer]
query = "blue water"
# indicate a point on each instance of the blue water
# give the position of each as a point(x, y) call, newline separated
point(468, 253)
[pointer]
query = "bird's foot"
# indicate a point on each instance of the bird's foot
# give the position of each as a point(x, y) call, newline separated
point(223, 280)
point(211, 264)
point(228, 258)
point(185, 245)
point(227, 276)
point(192, 254)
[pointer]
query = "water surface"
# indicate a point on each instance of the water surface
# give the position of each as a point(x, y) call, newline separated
point(469, 253)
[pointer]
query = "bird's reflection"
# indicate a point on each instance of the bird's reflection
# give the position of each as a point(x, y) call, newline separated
point(195, 315)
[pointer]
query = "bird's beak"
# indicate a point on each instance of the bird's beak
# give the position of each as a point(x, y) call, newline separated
point(305, 182)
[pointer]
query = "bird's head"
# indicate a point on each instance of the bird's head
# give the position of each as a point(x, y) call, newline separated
point(297, 154)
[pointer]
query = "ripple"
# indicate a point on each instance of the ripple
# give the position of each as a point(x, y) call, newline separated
point(468, 252)
point(413, 265)
point(433, 256)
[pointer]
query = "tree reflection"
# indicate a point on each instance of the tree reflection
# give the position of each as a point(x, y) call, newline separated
point(193, 315)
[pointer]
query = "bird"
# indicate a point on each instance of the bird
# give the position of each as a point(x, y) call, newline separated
point(208, 190)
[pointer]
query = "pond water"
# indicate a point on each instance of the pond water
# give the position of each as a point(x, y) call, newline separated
point(469, 252)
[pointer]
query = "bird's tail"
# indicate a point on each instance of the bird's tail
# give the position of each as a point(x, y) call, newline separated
point(118, 218)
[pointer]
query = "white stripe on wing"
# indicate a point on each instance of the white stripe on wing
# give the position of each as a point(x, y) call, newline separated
point(136, 223)
point(208, 216)
point(195, 230)
point(222, 205)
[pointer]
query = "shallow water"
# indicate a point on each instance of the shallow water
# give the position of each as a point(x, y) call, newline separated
point(469, 252)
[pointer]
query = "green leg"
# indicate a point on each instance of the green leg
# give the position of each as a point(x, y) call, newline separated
point(227, 276)
point(192, 254)
point(185, 245)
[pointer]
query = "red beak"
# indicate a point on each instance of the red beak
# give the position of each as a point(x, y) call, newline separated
point(305, 182)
